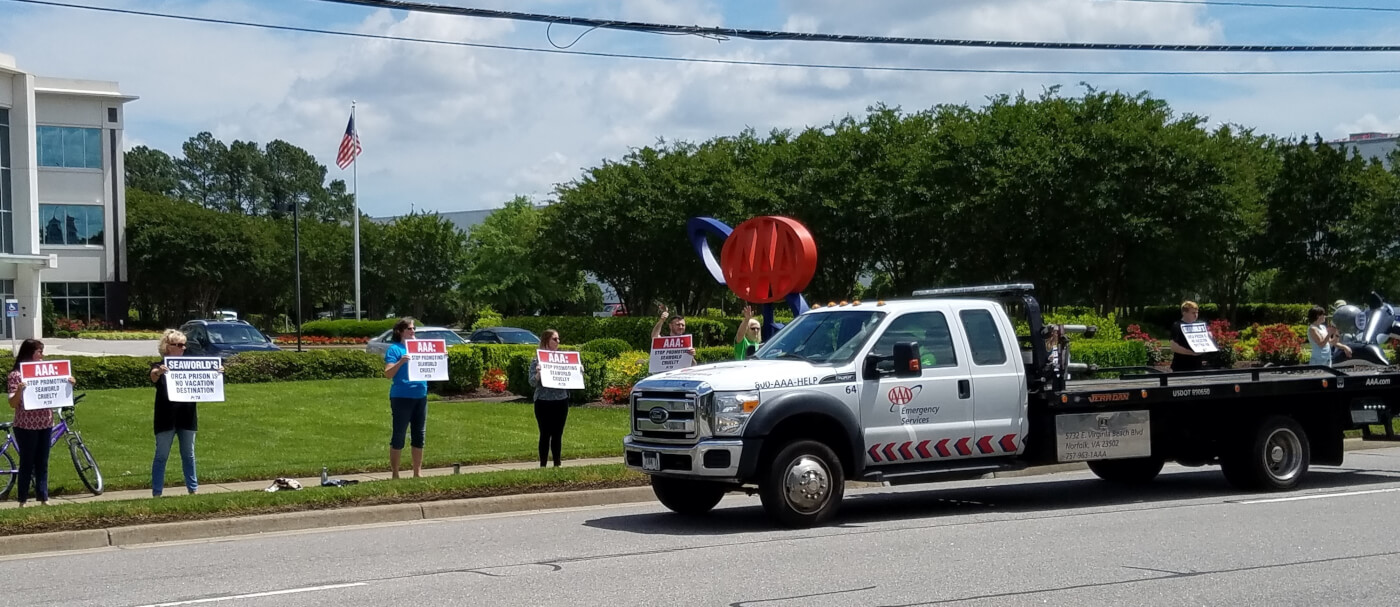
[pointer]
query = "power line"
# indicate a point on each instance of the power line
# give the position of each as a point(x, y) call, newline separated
point(714, 61)
point(1232, 3)
point(771, 35)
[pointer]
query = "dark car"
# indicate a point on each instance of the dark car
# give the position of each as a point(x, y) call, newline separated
point(503, 335)
point(380, 344)
point(224, 338)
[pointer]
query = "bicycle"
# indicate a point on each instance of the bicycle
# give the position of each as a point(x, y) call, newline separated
point(82, 458)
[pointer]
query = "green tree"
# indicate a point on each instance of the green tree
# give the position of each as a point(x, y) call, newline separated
point(508, 263)
point(425, 262)
point(152, 171)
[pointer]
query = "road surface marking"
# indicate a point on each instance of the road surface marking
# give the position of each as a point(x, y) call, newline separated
point(256, 595)
point(1317, 497)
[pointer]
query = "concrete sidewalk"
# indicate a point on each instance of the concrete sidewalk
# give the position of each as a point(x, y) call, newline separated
point(178, 489)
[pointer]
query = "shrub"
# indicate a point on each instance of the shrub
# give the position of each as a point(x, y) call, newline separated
point(1107, 325)
point(1279, 344)
point(1227, 343)
point(495, 381)
point(1245, 314)
point(1156, 355)
point(347, 328)
point(607, 346)
point(634, 330)
point(716, 354)
point(260, 367)
point(464, 370)
point(486, 318)
point(119, 335)
point(1109, 353)
point(627, 369)
point(497, 356)
point(595, 374)
point(617, 395)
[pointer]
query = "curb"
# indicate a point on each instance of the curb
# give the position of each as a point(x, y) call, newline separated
point(134, 535)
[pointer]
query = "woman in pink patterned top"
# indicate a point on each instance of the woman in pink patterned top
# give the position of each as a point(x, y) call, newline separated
point(33, 429)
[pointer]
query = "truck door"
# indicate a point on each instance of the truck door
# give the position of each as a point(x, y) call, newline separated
point(918, 419)
point(998, 381)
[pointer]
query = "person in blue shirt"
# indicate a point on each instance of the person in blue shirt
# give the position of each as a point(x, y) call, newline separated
point(408, 400)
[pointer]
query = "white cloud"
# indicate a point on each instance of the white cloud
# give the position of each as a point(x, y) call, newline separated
point(452, 128)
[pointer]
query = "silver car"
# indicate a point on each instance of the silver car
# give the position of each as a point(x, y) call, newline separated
point(380, 344)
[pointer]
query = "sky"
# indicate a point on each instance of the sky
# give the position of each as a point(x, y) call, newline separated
point(453, 128)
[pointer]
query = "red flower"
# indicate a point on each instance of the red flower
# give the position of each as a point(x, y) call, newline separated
point(494, 380)
point(617, 394)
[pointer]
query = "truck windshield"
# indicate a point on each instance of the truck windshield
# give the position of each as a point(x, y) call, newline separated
point(827, 337)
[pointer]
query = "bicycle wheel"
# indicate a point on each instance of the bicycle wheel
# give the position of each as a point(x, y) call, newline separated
point(8, 472)
point(85, 465)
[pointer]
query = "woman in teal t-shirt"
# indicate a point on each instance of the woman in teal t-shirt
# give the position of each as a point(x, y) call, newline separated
point(750, 334)
point(408, 400)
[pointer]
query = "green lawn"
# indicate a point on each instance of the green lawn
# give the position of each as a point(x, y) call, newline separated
point(292, 429)
point(96, 515)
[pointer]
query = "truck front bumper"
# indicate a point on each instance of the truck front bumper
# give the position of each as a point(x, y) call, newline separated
point(711, 459)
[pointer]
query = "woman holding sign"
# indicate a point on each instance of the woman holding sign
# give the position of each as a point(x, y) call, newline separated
point(408, 400)
point(33, 428)
point(172, 420)
point(551, 404)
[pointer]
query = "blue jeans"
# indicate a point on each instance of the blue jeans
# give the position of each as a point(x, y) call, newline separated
point(163, 440)
point(405, 412)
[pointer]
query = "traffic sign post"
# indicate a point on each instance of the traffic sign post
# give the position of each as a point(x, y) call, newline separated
point(11, 311)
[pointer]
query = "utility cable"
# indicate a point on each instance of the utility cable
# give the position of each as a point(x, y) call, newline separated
point(771, 35)
point(716, 61)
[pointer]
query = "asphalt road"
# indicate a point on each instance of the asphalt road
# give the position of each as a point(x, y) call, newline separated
point(1187, 539)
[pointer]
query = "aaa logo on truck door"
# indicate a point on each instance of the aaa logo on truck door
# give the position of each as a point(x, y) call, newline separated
point(903, 395)
point(767, 258)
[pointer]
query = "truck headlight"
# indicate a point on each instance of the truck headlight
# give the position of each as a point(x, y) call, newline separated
point(732, 409)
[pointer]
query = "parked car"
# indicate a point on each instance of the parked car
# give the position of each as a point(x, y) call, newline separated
point(612, 309)
point(380, 343)
point(503, 335)
point(224, 338)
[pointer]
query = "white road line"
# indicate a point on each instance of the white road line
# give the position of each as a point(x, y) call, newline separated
point(256, 595)
point(1317, 497)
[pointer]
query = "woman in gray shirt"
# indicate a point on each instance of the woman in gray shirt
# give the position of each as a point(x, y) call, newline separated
point(551, 404)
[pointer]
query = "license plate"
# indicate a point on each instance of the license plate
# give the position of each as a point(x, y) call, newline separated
point(651, 460)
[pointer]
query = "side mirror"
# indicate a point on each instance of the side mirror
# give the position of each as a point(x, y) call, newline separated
point(906, 359)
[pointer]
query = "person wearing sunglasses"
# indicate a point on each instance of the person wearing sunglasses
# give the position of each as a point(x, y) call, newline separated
point(408, 400)
point(551, 404)
point(172, 420)
point(750, 334)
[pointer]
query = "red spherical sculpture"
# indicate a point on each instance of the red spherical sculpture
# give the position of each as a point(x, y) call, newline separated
point(767, 258)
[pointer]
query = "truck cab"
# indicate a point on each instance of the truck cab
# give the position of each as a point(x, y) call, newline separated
point(873, 391)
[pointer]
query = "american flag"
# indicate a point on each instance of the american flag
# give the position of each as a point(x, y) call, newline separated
point(349, 145)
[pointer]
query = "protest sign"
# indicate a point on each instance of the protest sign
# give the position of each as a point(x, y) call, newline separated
point(670, 353)
point(46, 384)
point(427, 359)
point(559, 369)
point(1198, 338)
point(194, 379)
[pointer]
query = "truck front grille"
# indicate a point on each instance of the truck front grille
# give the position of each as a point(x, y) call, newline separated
point(666, 416)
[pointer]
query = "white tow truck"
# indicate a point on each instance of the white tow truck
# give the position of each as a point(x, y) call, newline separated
point(940, 387)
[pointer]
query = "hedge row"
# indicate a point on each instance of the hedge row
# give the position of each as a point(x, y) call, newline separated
point(347, 328)
point(1108, 353)
point(109, 372)
point(634, 330)
point(1245, 314)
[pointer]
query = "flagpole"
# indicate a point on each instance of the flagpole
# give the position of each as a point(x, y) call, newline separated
point(355, 196)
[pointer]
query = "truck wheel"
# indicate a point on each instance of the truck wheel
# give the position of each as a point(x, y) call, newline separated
point(1275, 459)
point(803, 484)
point(1134, 471)
point(691, 498)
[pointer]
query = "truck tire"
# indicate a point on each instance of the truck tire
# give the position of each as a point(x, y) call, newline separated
point(803, 484)
point(688, 497)
point(1134, 471)
point(1275, 459)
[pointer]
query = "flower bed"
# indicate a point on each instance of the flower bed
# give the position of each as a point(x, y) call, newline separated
point(318, 340)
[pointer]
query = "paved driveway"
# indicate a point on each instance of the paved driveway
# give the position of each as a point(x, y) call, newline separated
point(57, 347)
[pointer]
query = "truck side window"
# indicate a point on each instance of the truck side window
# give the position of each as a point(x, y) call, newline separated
point(982, 337)
point(930, 329)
